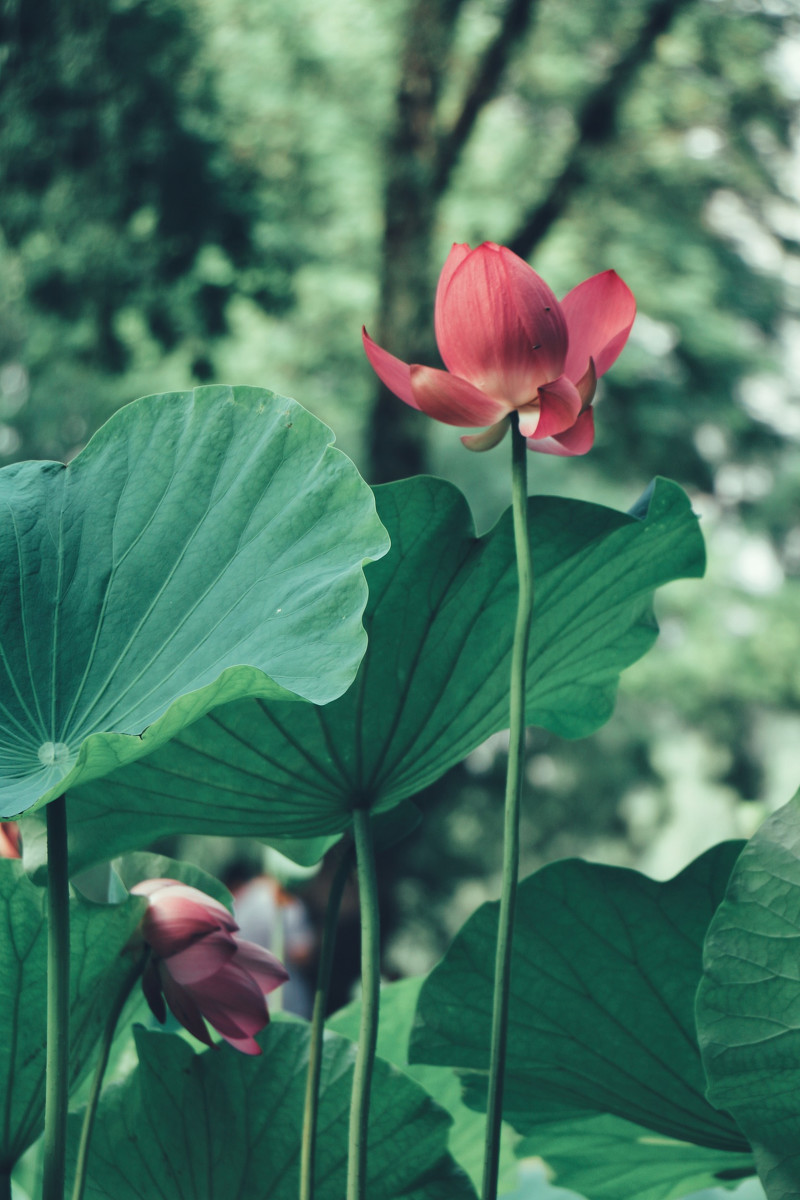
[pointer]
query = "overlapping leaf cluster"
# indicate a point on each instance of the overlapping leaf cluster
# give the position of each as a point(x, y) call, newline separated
point(183, 650)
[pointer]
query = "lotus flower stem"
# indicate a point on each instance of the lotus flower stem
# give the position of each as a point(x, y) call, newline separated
point(57, 1087)
point(370, 987)
point(87, 1128)
point(311, 1107)
point(516, 758)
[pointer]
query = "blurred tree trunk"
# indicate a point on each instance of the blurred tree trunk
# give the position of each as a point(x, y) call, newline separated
point(420, 159)
point(396, 431)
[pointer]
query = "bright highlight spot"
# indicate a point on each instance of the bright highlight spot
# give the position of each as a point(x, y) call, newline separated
point(53, 754)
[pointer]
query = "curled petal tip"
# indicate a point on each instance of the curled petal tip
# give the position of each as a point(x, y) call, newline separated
point(575, 441)
point(587, 385)
point(489, 438)
point(560, 406)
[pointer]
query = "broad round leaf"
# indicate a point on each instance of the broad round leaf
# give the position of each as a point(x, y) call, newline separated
point(98, 966)
point(220, 1123)
point(605, 966)
point(748, 1004)
point(204, 546)
point(434, 681)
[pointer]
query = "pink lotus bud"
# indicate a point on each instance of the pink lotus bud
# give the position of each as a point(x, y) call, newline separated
point(509, 345)
point(9, 839)
point(202, 968)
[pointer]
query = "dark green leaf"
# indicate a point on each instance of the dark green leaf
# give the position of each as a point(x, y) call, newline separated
point(605, 967)
point(222, 1124)
point(467, 1133)
point(98, 966)
point(748, 1004)
point(434, 682)
point(204, 546)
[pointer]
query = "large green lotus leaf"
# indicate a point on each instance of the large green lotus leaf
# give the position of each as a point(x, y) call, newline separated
point(605, 966)
point(467, 1133)
point(748, 1004)
point(98, 936)
point(604, 1158)
point(204, 546)
point(188, 1126)
point(434, 682)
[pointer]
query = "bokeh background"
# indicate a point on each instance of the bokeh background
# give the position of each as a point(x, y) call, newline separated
point(225, 190)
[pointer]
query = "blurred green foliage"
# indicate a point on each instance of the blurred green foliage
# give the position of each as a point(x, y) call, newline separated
point(196, 189)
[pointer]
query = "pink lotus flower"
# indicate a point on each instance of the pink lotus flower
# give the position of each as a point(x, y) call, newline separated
point(9, 839)
point(202, 968)
point(509, 345)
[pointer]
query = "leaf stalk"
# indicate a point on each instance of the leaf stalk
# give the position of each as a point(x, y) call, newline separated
point(370, 988)
point(57, 1084)
point(311, 1106)
point(90, 1112)
point(513, 796)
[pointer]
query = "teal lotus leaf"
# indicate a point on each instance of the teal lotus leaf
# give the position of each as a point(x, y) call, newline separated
point(204, 546)
point(434, 681)
point(605, 967)
point(99, 963)
point(748, 1004)
point(603, 1157)
point(148, 1143)
point(398, 1003)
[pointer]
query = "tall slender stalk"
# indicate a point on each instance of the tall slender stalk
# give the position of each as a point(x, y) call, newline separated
point(57, 1086)
point(278, 947)
point(97, 1083)
point(516, 756)
point(311, 1107)
point(370, 987)
point(5, 1184)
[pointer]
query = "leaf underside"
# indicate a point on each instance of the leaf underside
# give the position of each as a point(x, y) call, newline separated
point(434, 681)
point(605, 967)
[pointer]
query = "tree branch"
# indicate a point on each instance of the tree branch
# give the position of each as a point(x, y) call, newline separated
point(482, 88)
point(597, 124)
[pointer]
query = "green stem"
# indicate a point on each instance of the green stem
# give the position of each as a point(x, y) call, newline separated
point(100, 1070)
point(278, 948)
point(57, 1085)
point(370, 987)
point(516, 756)
point(311, 1107)
point(5, 1184)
